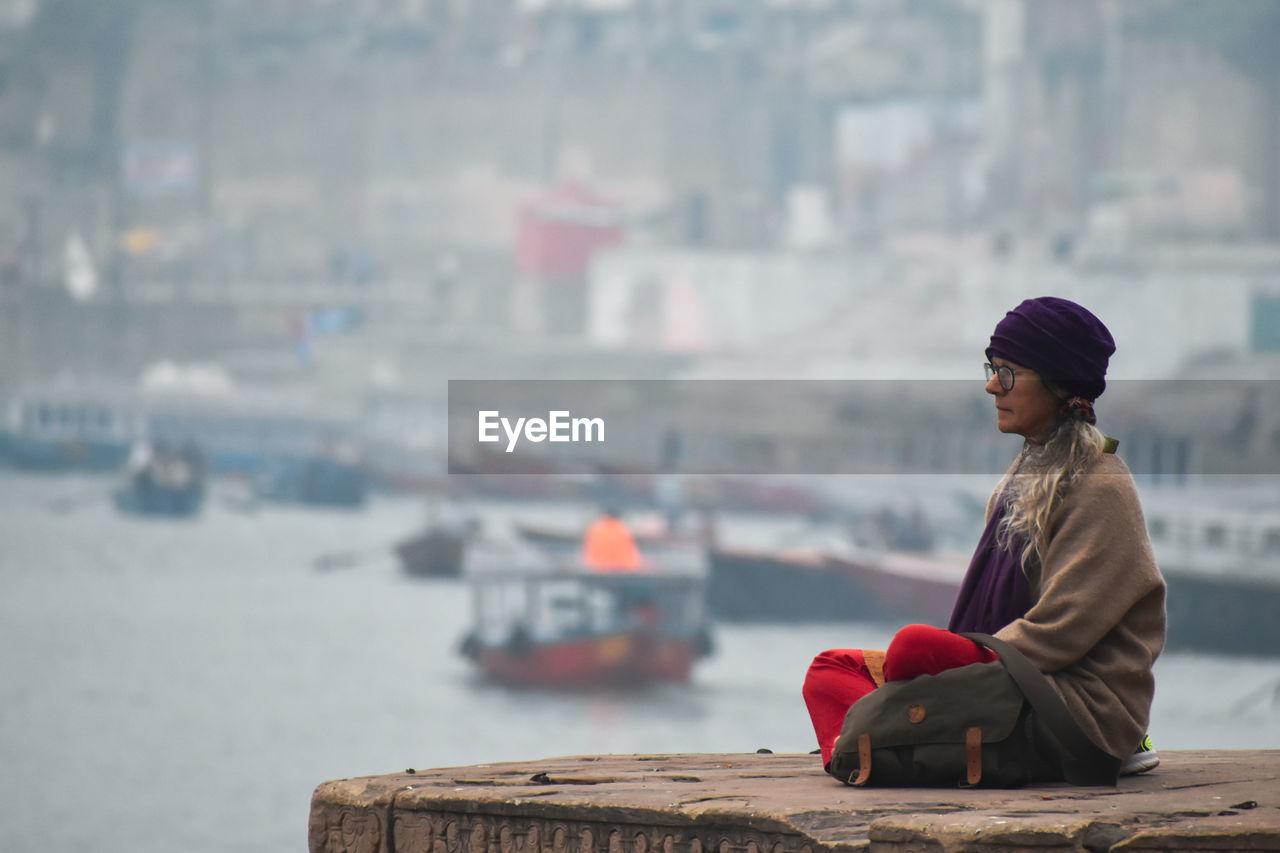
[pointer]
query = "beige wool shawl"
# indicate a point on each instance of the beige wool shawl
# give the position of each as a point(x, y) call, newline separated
point(1097, 617)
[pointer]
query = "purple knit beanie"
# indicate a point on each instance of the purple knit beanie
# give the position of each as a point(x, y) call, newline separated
point(1058, 339)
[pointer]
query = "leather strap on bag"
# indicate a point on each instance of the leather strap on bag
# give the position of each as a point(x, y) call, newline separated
point(1088, 764)
point(864, 760)
point(873, 660)
point(973, 755)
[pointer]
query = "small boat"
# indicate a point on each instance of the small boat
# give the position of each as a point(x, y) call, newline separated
point(439, 548)
point(578, 629)
point(433, 553)
point(163, 482)
point(173, 501)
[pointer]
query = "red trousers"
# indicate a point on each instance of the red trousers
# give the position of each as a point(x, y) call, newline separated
point(839, 677)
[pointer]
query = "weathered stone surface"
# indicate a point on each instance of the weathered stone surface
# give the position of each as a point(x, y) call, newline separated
point(785, 804)
point(354, 817)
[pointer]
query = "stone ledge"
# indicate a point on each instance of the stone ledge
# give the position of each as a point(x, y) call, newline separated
point(766, 803)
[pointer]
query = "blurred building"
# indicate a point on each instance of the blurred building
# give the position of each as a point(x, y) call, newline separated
point(252, 159)
point(1126, 124)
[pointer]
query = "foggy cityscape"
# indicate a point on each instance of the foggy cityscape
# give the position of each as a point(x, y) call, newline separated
point(282, 251)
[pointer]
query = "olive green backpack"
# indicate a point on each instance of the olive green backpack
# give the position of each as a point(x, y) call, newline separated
point(997, 725)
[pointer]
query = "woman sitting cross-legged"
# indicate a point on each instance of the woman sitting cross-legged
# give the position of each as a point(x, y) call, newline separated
point(1063, 572)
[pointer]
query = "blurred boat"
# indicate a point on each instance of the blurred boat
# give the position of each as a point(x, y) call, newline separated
point(440, 548)
point(907, 586)
point(817, 585)
point(1219, 553)
point(59, 429)
point(433, 553)
point(567, 542)
point(75, 426)
point(779, 586)
point(578, 629)
point(163, 482)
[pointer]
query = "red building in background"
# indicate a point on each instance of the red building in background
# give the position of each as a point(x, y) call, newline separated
point(559, 232)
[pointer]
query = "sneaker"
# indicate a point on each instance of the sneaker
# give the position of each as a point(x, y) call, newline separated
point(1143, 759)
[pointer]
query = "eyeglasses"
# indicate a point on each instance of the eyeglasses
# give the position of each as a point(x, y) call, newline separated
point(1005, 373)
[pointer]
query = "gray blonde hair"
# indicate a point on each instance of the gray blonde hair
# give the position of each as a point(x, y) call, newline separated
point(1034, 486)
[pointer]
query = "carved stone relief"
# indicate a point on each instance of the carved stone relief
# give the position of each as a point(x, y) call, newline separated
point(429, 832)
point(346, 829)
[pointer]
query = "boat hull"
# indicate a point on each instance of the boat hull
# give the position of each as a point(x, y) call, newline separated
point(174, 503)
point(573, 629)
point(58, 455)
point(432, 554)
point(616, 659)
point(1222, 615)
point(906, 588)
point(760, 586)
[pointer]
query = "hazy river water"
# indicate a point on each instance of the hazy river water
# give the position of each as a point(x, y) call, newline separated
point(184, 686)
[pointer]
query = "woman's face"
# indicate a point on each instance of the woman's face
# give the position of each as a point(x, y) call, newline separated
point(1028, 409)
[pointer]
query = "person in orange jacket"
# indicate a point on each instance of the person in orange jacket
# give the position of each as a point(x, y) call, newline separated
point(608, 546)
